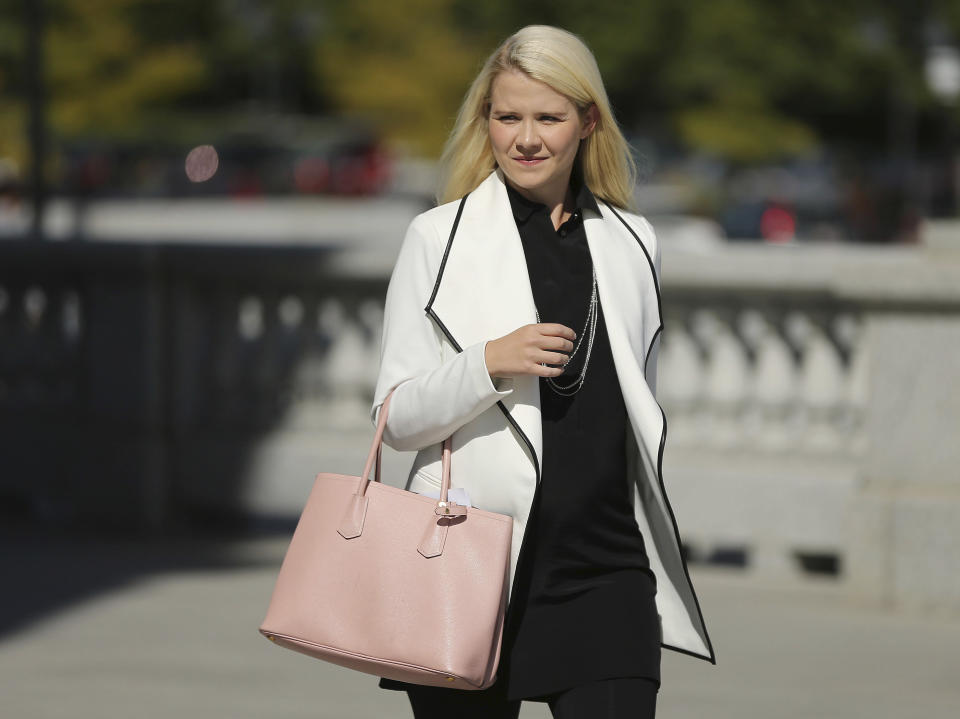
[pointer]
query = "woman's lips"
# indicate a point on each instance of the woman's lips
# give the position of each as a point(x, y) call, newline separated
point(529, 161)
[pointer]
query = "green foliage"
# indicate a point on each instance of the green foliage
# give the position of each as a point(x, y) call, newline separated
point(12, 114)
point(748, 80)
point(404, 65)
point(106, 72)
point(107, 69)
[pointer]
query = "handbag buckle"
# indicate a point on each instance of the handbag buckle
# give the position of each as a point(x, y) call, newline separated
point(445, 509)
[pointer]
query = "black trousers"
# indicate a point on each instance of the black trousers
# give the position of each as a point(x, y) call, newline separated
point(633, 697)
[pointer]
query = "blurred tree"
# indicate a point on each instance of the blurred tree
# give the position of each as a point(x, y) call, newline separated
point(13, 112)
point(112, 62)
point(405, 65)
point(734, 77)
point(748, 80)
point(259, 55)
point(108, 66)
point(153, 69)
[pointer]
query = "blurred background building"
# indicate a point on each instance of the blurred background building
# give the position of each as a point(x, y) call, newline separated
point(201, 202)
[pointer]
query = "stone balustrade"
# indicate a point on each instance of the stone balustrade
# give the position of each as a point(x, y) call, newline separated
point(813, 413)
point(810, 392)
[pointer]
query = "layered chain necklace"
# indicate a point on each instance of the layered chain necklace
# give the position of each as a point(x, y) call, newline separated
point(589, 328)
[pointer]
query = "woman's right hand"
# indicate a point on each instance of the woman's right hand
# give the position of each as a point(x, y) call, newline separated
point(523, 350)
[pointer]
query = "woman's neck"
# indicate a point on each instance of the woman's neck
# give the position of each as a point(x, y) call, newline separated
point(559, 203)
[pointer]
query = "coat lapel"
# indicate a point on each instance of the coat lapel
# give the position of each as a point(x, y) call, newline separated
point(630, 298)
point(483, 291)
point(626, 283)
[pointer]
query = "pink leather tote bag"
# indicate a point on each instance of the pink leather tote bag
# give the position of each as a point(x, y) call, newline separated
point(393, 583)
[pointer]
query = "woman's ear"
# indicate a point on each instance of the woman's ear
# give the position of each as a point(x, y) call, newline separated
point(589, 122)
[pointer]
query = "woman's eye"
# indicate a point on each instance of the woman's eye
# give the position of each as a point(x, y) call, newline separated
point(507, 118)
point(549, 118)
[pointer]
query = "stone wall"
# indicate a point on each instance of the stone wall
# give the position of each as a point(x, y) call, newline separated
point(814, 413)
point(811, 394)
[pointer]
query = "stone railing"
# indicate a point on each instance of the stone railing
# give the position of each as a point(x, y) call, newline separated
point(810, 394)
point(812, 413)
point(763, 373)
point(137, 380)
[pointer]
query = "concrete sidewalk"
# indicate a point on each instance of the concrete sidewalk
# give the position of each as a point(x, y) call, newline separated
point(98, 630)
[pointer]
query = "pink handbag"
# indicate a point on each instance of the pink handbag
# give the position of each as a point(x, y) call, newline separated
point(393, 583)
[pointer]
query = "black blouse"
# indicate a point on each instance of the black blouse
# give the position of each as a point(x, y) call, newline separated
point(582, 607)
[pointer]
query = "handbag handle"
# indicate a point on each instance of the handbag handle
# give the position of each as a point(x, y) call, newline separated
point(434, 536)
point(376, 452)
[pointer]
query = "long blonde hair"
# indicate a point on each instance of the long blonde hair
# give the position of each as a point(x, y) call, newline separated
point(562, 61)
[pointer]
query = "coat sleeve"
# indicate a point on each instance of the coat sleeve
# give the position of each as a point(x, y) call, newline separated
point(431, 398)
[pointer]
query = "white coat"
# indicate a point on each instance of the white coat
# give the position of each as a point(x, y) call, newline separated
point(460, 280)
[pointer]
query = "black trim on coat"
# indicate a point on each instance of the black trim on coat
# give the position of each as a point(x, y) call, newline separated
point(456, 345)
point(663, 440)
point(443, 263)
point(650, 348)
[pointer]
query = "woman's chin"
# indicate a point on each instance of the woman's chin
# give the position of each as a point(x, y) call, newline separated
point(527, 179)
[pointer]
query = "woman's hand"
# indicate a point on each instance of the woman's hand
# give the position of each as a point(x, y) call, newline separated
point(523, 350)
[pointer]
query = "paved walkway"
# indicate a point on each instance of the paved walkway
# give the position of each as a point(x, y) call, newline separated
point(97, 630)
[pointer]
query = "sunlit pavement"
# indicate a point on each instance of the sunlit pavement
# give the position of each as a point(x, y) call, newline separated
point(137, 630)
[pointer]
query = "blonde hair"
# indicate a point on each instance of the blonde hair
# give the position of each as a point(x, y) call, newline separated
point(562, 61)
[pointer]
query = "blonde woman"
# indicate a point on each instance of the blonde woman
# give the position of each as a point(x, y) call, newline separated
point(523, 318)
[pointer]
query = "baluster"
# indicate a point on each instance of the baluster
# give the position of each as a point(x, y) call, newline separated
point(848, 329)
point(7, 341)
point(287, 350)
point(680, 374)
point(727, 376)
point(34, 358)
point(821, 382)
point(238, 338)
point(370, 315)
point(773, 391)
point(347, 376)
point(71, 318)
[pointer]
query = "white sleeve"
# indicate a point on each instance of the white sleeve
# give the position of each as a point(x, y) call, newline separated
point(432, 398)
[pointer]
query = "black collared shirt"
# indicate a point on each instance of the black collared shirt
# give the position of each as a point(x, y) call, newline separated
point(558, 263)
point(583, 604)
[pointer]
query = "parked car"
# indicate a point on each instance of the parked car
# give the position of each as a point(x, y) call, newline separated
point(327, 159)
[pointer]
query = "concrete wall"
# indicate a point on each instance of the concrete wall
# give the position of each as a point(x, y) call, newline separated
point(811, 395)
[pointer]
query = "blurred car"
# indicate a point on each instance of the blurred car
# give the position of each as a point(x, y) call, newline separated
point(782, 203)
point(277, 160)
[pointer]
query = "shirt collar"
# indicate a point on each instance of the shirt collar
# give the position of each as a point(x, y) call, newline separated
point(583, 199)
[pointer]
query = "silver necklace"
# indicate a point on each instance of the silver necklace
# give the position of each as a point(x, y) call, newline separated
point(589, 328)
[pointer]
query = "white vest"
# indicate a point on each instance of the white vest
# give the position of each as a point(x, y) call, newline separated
point(451, 292)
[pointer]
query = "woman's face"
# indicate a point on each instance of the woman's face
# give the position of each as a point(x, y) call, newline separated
point(535, 133)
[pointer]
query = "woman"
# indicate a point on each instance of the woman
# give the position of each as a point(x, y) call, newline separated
point(523, 318)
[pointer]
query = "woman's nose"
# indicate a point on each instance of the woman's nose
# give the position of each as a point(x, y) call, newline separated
point(528, 141)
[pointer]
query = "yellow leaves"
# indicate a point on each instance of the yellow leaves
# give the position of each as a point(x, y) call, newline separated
point(102, 75)
point(404, 66)
point(12, 131)
point(116, 103)
point(742, 133)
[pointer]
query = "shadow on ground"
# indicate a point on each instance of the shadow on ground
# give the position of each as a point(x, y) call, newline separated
point(48, 570)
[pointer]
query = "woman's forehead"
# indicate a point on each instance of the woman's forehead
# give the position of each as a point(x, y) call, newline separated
point(512, 89)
